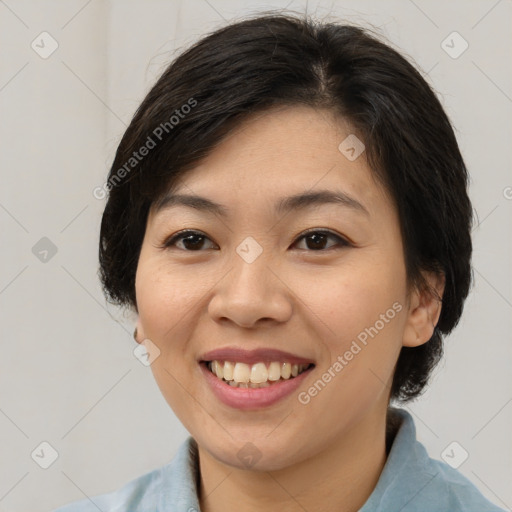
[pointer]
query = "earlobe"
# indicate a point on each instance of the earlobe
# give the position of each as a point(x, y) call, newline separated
point(137, 333)
point(424, 312)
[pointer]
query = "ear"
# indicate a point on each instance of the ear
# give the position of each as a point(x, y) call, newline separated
point(138, 333)
point(424, 311)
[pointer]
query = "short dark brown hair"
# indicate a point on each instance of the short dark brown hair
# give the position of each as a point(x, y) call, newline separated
point(276, 60)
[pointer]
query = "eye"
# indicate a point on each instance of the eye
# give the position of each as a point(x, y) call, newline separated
point(192, 240)
point(317, 238)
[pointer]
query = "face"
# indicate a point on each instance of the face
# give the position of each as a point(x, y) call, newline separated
point(320, 283)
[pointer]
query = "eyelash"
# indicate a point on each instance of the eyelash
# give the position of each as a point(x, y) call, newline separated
point(342, 242)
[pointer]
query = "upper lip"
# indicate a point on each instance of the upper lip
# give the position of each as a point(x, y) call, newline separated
point(236, 354)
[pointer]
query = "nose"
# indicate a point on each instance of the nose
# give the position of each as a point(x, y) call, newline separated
point(251, 294)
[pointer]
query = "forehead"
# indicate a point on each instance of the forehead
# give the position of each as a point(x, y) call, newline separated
point(281, 152)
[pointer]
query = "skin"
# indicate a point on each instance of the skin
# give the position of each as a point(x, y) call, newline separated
point(327, 454)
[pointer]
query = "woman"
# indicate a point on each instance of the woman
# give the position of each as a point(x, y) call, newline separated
point(288, 216)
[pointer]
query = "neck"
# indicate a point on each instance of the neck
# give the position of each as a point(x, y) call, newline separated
point(343, 476)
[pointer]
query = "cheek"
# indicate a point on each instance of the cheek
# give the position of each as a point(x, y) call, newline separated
point(372, 320)
point(348, 300)
point(164, 297)
point(361, 312)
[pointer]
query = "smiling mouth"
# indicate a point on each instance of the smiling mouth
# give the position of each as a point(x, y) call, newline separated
point(259, 375)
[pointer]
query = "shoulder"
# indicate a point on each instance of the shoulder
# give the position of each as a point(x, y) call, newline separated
point(138, 494)
point(455, 492)
point(154, 491)
point(412, 481)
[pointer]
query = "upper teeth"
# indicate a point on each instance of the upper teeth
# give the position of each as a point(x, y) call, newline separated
point(257, 373)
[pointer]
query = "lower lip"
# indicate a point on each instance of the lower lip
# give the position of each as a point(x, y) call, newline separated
point(252, 398)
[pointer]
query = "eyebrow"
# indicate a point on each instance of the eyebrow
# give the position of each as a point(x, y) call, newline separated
point(283, 205)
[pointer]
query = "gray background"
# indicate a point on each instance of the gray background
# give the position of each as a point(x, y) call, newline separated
point(68, 375)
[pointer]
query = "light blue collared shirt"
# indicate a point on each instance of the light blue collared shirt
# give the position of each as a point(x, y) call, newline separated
point(410, 482)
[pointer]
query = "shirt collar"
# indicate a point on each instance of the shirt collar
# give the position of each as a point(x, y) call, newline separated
point(407, 470)
point(404, 475)
point(182, 479)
